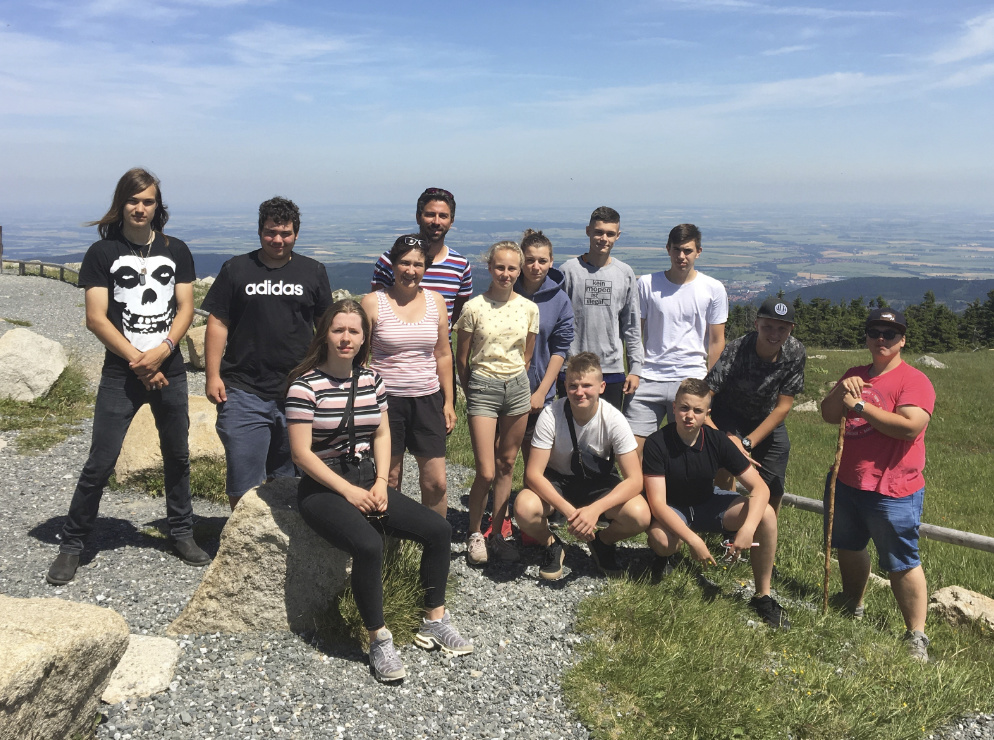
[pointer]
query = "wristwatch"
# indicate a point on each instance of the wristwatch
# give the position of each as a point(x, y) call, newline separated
point(746, 444)
point(858, 407)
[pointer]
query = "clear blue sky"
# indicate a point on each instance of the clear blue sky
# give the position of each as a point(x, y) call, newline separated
point(510, 104)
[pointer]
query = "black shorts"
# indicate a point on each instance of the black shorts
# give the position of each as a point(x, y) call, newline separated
point(417, 424)
point(772, 453)
point(580, 491)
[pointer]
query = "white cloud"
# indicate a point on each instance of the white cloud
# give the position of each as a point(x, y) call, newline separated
point(978, 40)
point(835, 89)
point(968, 77)
point(787, 50)
point(747, 6)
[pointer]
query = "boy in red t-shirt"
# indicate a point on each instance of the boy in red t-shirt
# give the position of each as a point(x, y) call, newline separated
point(880, 489)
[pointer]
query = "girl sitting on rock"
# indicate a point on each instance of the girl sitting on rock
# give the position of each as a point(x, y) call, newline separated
point(340, 438)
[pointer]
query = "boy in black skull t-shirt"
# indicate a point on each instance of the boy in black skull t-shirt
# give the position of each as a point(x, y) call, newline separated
point(139, 304)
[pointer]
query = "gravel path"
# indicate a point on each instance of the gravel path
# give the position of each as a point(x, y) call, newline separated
point(275, 685)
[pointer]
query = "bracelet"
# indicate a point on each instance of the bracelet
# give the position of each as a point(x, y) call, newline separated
point(169, 342)
point(380, 477)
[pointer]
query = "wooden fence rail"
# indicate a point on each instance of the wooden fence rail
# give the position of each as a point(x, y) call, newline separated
point(928, 531)
point(23, 265)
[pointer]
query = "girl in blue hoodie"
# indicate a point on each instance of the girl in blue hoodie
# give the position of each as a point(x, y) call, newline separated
point(543, 284)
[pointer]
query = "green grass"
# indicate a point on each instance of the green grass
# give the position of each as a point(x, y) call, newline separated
point(52, 418)
point(16, 322)
point(48, 272)
point(677, 659)
point(206, 480)
point(403, 598)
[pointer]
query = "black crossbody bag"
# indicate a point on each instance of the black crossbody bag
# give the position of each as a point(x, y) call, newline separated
point(604, 469)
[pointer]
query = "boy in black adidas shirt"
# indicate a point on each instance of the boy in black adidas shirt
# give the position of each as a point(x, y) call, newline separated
point(678, 466)
point(263, 308)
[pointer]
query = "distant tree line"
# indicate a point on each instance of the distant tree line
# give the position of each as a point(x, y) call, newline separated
point(932, 327)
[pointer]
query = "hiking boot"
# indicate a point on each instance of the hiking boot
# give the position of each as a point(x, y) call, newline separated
point(502, 549)
point(190, 553)
point(605, 556)
point(383, 658)
point(476, 549)
point(440, 633)
point(63, 569)
point(661, 567)
point(552, 561)
point(917, 645)
point(770, 612)
point(846, 607)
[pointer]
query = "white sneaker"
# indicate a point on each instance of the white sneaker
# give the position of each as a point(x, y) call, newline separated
point(476, 549)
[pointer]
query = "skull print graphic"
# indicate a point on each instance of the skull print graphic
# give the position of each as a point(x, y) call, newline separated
point(148, 306)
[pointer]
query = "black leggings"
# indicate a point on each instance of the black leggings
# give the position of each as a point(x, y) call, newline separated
point(344, 526)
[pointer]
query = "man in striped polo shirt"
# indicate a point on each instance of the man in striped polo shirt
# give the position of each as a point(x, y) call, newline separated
point(449, 273)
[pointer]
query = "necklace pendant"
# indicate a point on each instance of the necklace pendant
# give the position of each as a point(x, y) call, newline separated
point(141, 278)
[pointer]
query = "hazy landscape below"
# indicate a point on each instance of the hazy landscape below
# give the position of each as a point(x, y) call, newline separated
point(753, 251)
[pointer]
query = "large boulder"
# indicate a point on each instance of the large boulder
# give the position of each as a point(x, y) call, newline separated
point(929, 361)
point(195, 346)
point(29, 364)
point(56, 658)
point(146, 668)
point(959, 606)
point(272, 572)
point(141, 445)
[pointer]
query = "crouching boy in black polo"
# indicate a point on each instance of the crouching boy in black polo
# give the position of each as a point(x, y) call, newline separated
point(679, 464)
point(571, 470)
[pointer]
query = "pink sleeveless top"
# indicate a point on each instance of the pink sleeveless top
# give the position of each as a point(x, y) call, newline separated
point(404, 354)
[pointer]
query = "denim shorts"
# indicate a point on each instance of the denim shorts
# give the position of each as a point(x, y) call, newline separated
point(892, 524)
point(707, 516)
point(496, 398)
point(651, 405)
point(773, 453)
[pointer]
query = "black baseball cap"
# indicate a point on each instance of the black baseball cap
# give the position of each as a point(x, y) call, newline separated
point(890, 316)
point(774, 308)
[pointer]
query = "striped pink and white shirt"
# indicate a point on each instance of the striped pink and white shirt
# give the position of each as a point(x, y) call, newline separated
point(404, 353)
point(318, 399)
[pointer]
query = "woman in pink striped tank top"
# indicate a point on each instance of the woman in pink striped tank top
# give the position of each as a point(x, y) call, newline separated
point(410, 350)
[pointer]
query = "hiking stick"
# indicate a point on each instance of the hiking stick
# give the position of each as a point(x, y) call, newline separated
point(831, 509)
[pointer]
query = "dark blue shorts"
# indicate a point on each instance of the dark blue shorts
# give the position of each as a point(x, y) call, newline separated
point(256, 445)
point(708, 516)
point(892, 524)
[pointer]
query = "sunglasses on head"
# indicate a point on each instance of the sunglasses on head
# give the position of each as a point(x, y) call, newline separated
point(426, 195)
point(412, 241)
point(887, 334)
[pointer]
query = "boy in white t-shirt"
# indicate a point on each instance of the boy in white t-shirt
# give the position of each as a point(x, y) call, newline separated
point(573, 473)
point(683, 329)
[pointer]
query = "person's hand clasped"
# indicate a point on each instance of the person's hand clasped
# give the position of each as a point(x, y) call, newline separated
point(363, 500)
point(155, 382)
point(149, 362)
point(378, 492)
point(583, 523)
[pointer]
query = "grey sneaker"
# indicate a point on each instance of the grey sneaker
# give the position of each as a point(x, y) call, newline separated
point(476, 549)
point(383, 658)
point(917, 645)
point(846, 607)
point(440, 633)
point(502, 549)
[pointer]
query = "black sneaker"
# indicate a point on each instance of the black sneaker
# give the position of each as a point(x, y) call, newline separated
point(557, 519)
point(770, 612)
point(606, 557)
point(63, 569)
point(190, 553)
point(552, 561)
point(661, 567)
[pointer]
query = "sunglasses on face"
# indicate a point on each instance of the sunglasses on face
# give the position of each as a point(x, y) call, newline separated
point(887, 334)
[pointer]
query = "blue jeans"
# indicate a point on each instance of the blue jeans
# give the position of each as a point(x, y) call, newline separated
point(247, 425)
point(117, 403)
